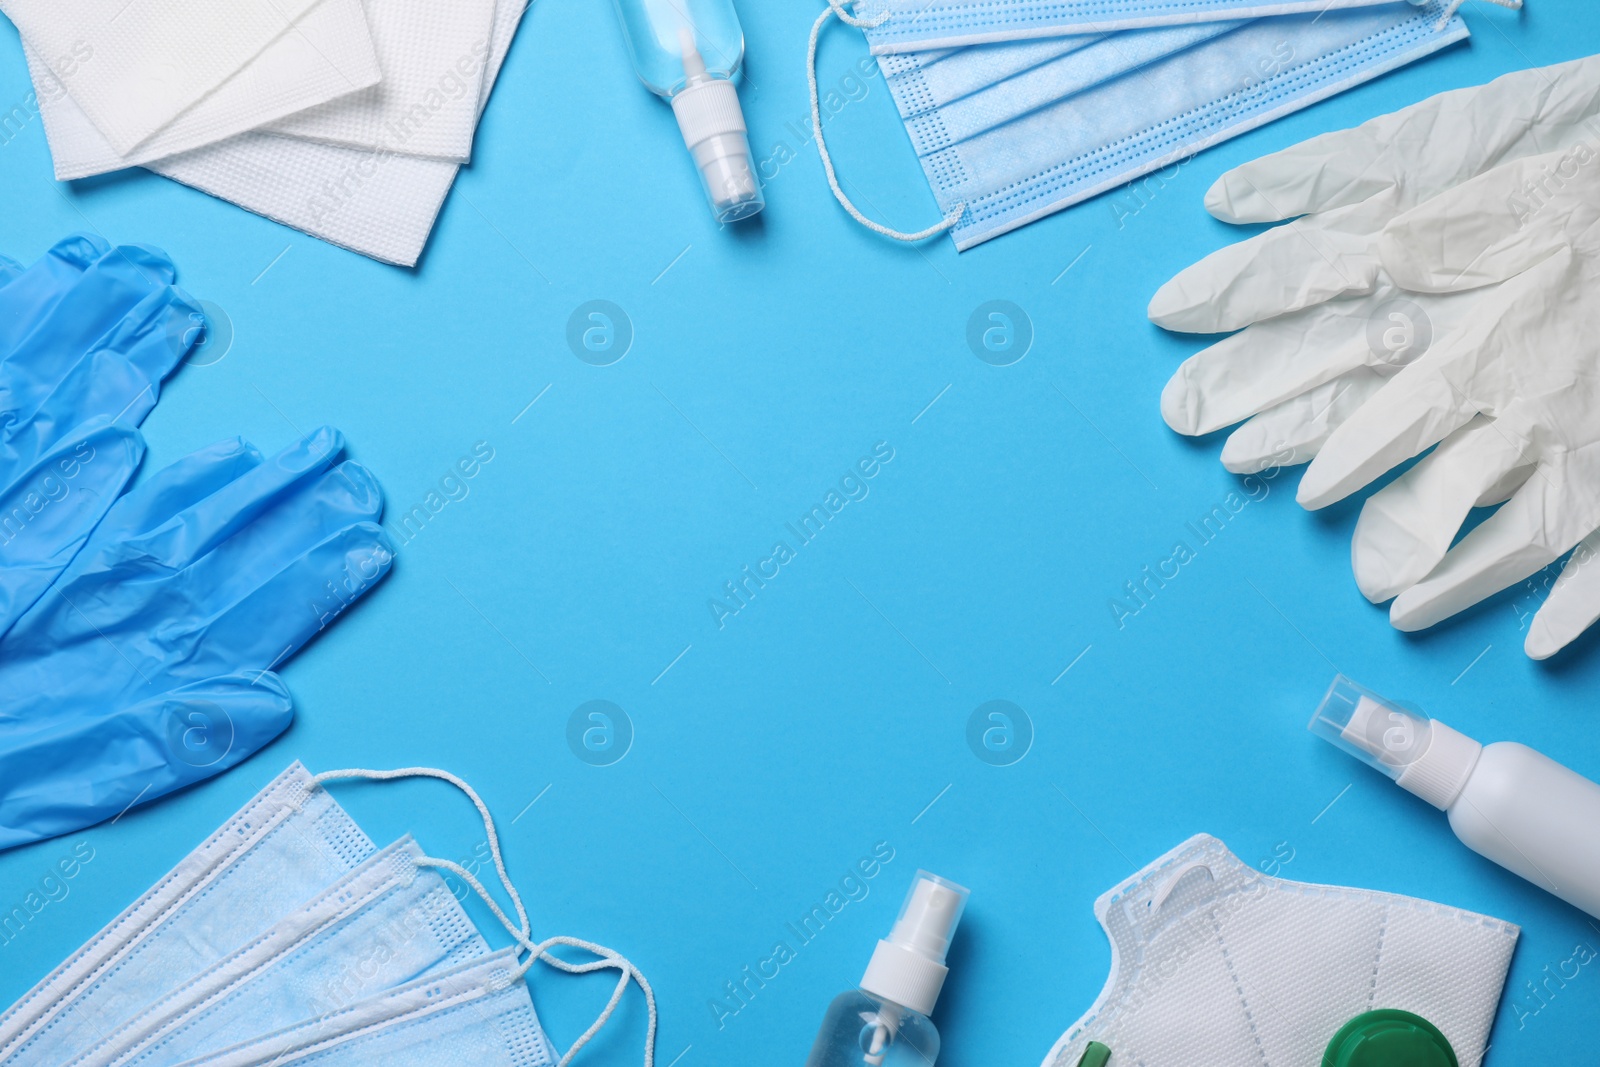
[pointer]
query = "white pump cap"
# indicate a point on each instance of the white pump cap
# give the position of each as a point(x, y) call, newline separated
point(908, 967)
point(713, 127)
point(1422, 755)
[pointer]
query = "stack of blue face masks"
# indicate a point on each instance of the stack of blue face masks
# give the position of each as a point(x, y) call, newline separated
point(138, 628)
point(1061, 109)
point(286, 936)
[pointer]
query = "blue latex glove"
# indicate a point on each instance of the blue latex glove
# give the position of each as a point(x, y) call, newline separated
point(146, 666)
point(87, 335)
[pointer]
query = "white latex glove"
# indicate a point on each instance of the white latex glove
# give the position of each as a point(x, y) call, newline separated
point(1512, 398)
point(1330, 326)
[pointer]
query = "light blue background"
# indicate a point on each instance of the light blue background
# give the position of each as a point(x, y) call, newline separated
point(830, 713)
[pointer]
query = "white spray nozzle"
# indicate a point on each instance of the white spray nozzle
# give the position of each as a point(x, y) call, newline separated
point(929, 916)
point(908, 966)
point(1376, 731)
point(1421, 754)
point(713, 127)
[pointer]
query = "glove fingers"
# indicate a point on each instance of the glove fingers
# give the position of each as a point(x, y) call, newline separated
point(55, 327)
point(271, 622)
point(1524, 536)
point(1480, 366)
point(134, 621)
point(1294, 431)
point(64, 772)
point(1289, 267)
point(208, 522)
point(1413, 411)
point(177, 488)
point(103, 349)
point(297, 524)
point(1573, 604)
point(1332, 170)
point(30, 293)
point(1266, 364)
point(1421, 405)
point(1493, 227)
point(1406, 528)
point(117, 379)
point(1423, 149)
point(159, 332)
point(48, 510)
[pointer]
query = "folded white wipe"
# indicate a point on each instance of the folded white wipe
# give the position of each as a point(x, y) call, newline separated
point(346, 119)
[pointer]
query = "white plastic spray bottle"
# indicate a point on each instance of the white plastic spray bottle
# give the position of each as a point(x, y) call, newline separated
point(1507, 802)
point(689, 51)
point(885, 1022)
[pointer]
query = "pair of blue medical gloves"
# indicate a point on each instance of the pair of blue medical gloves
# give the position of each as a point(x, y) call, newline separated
point(139, 626)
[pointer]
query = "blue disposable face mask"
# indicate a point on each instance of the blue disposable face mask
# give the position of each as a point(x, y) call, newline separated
point(287, 935)
point(285, 846)
point(951, 96)
point(385, 923)
point(916, 25)
point(478, 1013)
point(1007, 134)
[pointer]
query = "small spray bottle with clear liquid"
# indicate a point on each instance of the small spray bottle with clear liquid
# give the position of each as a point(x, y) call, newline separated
point(689, 52)
point(885, 1022)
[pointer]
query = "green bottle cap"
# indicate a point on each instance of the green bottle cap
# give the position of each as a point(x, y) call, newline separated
point(1389, 1037)
point(1095, 1055)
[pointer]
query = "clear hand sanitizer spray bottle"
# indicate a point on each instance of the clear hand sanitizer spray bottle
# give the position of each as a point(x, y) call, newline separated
point(885, 1023)
point(689, 51)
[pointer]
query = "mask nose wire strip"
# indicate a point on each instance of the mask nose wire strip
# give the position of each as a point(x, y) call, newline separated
point(520, 930)
point(1455, 5)
point(950, 220)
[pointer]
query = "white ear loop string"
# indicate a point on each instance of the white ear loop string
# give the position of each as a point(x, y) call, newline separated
point(520, 930)
point(835, 8)
point(538, 951)
point(1455, 5)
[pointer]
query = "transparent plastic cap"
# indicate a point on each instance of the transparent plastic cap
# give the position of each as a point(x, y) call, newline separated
point(1376, 731)
point(929, 916)
point(729, 176)
point(713, 127)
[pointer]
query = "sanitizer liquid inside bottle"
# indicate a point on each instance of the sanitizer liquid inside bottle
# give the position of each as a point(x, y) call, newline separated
point(689, 52)
point(885, 1022)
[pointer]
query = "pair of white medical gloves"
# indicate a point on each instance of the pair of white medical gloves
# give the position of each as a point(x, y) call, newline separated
point(1440, 286)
